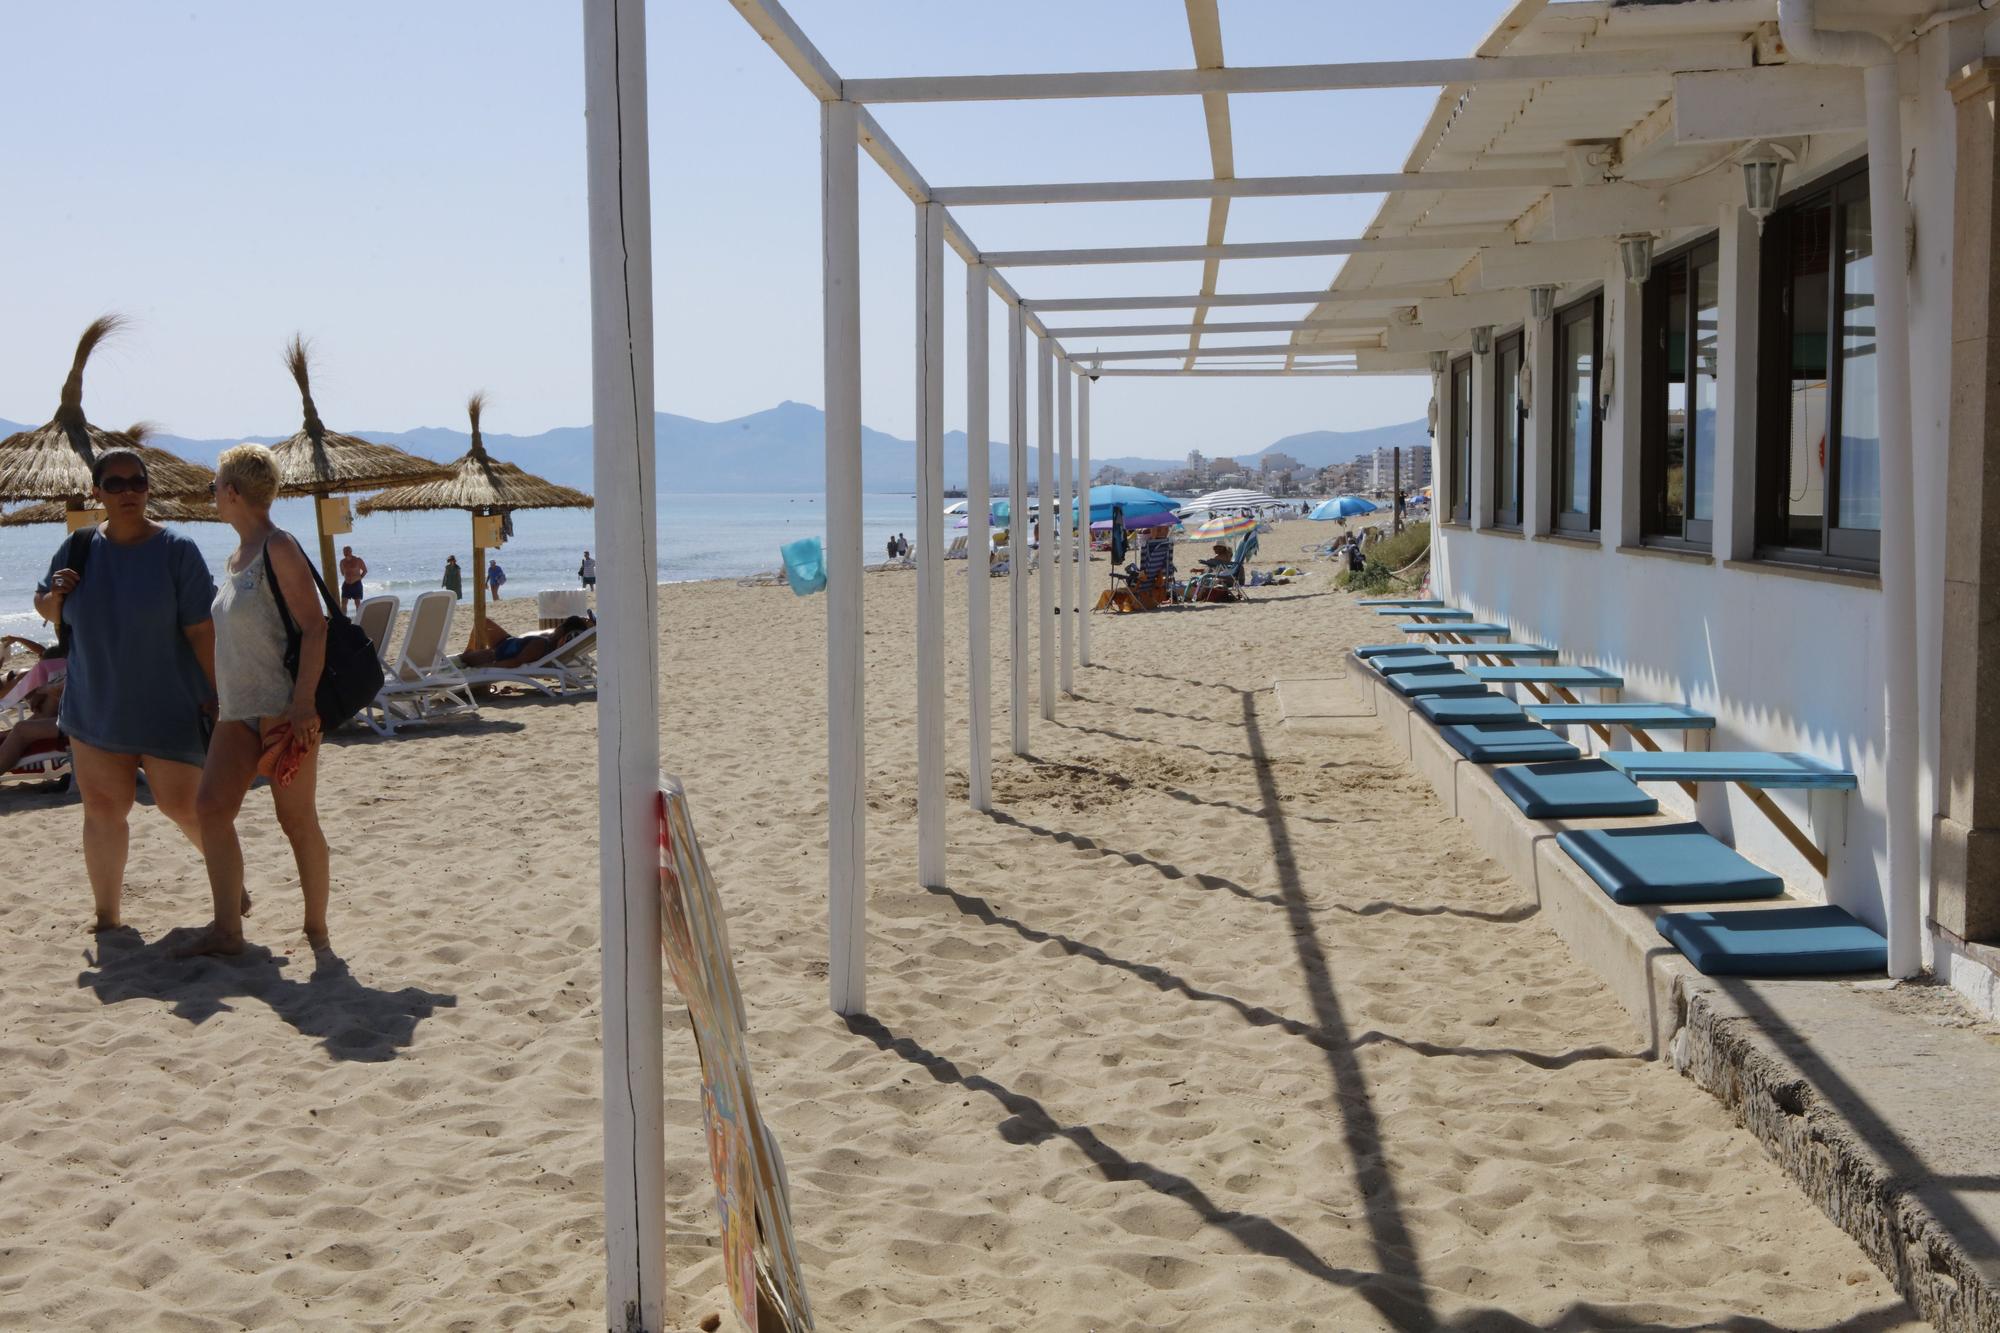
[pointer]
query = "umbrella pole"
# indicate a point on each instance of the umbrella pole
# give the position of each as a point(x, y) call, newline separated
point(478, 594)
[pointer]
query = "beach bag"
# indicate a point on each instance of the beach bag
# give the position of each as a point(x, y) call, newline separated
point(352, 674)
point(75, 555)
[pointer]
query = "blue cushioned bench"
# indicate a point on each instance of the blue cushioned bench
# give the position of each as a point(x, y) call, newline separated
point(1586, 677)
point(1507, 650)
point(1506, 742)
point(1470, 708)
point(1369, 650)
point(1644, 717)
point(1420, 684)
point(1398, 664)
point(1428, 612)
point(1576, 790)
point(1775, 942)
point(1479, 628)
point(1670, 863)
point(1400, 601)
point(1751, 768)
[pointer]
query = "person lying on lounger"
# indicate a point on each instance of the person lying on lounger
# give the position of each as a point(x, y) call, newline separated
point(513, 650)
point(38, 727)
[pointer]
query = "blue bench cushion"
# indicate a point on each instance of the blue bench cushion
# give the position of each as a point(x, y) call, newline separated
point(1574, 790)
point(1470, 708)
point(1500, 742)
point(1775, 942)
point(1368, 650)
point(1646, 717)
point(1753, 768)
point(1427, 612)
point(1549, 675)
point(1400, 601)
point(1395, 664)
point(1667, 863)
point(1496, 649)
point(1479, 628)
point(1430, 684)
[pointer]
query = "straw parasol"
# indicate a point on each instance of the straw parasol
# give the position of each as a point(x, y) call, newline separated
point(160, 511)
point(319, 462)
point(484, 486)
point(53, 461)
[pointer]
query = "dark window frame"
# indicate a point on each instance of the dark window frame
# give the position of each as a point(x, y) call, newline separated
point(1839, 548)
point(1461, 439)
point(1562, 521)
point(1516, 343)
point(1655, 528)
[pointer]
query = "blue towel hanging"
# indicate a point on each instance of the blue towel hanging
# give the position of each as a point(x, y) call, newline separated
point(805, 565)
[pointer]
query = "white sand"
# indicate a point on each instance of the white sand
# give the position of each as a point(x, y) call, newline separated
point(1219, 1028)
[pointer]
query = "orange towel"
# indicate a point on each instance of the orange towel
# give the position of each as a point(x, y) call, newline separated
point(283, 755)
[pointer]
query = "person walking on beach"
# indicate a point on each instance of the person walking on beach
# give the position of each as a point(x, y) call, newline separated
point(454, 578)
point(353, 569)
point(587, 571)
point(134, 598)
point(892, 547)
point(267, 719)
point(495, 576)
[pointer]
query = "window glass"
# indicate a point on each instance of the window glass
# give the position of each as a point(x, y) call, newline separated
point(1507, 433)
point(1461, 439)
point(1673, 461)
point(1704, 398)
point(1858, 482)
point(1576, 367)
point(1808, 278)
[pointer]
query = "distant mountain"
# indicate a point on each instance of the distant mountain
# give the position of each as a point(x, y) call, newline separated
point(1314, 448)
point(779, 449)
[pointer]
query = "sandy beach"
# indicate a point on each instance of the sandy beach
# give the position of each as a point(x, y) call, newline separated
point(1218, 1027)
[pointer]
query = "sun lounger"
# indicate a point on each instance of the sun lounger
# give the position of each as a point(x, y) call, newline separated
point(568, 669)
point(1421, 684)
point(1480, 629)
point(1507, 650)
point(1672, 863)
point(424, 685)
point(1504, 742)
point(1470, 708)
point(1750, 768)
point(1577, 790)
point(377, 618)
point(1395, 664)
point(1775, 941)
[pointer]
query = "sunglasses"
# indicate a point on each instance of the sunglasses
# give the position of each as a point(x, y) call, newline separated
point(121, 485)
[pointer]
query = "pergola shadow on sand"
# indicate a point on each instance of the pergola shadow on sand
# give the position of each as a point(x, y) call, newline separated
point(1455, 249)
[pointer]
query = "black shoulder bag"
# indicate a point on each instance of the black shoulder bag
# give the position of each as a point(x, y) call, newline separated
point(352, 675)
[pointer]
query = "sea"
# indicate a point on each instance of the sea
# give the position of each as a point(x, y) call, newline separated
point(701, 537)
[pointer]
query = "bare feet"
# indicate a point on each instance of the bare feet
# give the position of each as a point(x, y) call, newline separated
point(105, 921)
point(210, 941)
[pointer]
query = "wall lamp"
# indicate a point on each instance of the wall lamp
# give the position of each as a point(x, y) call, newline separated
point(1482, 340)
point(1541, 302)
point(1635, 252)
point(1763, 178)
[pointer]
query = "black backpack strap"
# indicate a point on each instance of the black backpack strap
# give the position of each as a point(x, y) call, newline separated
point(333, 611)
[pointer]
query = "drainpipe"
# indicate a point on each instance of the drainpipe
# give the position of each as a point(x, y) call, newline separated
point(1889, 214)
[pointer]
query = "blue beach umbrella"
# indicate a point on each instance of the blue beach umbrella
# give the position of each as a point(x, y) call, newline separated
point(1343, 506)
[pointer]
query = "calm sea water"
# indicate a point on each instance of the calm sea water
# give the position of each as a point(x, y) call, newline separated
point(701, 537)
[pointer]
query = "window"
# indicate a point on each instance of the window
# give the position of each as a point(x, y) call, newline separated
point(1579, 344)
point(1819, 449)
point(1510, 417)
point(1461, 440)
point(1678, 396)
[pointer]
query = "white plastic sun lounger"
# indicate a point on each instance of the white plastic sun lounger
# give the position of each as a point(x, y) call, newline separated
point(424, 685)
point(377, 618)
point(570, 669)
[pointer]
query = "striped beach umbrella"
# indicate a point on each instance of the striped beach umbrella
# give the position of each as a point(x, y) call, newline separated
point(1224, 526)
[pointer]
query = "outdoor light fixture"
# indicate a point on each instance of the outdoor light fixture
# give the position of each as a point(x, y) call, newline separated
point(1636, 253)
point(1763, 177)
point(1541, 301)
point(1482, 340)
point(1438, 362)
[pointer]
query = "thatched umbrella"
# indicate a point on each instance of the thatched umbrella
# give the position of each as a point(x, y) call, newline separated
point(319, 462)
point(53, 461)
point(484, 486)
point(160, 511)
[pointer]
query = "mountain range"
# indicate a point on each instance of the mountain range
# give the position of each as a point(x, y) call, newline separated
point(779, 449)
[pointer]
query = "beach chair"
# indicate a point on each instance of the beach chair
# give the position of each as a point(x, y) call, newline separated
point(46, 762)
point(1226, 583)
point(956, 551)
point(1149, 584)
point(424, 685)
point(377, 618)
point(568, 670)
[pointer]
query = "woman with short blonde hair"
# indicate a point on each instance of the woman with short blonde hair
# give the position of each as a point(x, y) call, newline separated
point(268, 721)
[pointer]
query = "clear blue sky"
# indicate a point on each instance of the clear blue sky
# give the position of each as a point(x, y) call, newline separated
point(405, 183)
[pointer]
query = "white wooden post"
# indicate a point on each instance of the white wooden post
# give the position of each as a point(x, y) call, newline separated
point(978, 544)
point(1083, 507)
point(628, 733)
point(1017, 526)
point(930, 545)
point(1045, 476)
point(1065, 525)
point(846, 778)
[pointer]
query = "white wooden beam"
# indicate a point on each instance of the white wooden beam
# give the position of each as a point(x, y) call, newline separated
point(1238, 326)
point(1017, 528)
point(1301, 78)
point(1198, 301)
point(1253, 372)
point(1392, 363)
point(1772, 102)
point(1247, 187)
point(978, 542)
point(1260, 349)
point(1584, 212)
point(1157, 254)
point(1083, 602)
point(1065, 529)
point(768, 19)
point(1045, 488)
point(1539, 265)
point(1456, 314)
point(628, 701)
point(930, 545)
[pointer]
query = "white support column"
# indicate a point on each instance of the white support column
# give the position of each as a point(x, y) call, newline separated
point(1479, 468)
point(1045, 475)
point(628, 737)
point(1083, 600)
point(930, 545)
point(846, 774)
point(1738, 258)
point(1625, 353)
point(1538, 468)
point(1067, 574)
point(1017, 527)
point(978, 543)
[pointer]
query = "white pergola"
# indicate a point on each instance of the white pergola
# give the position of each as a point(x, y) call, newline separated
point(1454, 249)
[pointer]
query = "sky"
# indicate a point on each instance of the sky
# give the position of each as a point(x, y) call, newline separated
point(404, 183)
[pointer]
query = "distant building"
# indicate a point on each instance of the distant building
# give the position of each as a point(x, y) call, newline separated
point(1381, 468)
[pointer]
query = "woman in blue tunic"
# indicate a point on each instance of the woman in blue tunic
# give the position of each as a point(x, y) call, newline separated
point(141, 668)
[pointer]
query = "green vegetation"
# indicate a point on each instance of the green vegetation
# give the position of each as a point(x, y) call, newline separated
point(1400, 562)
